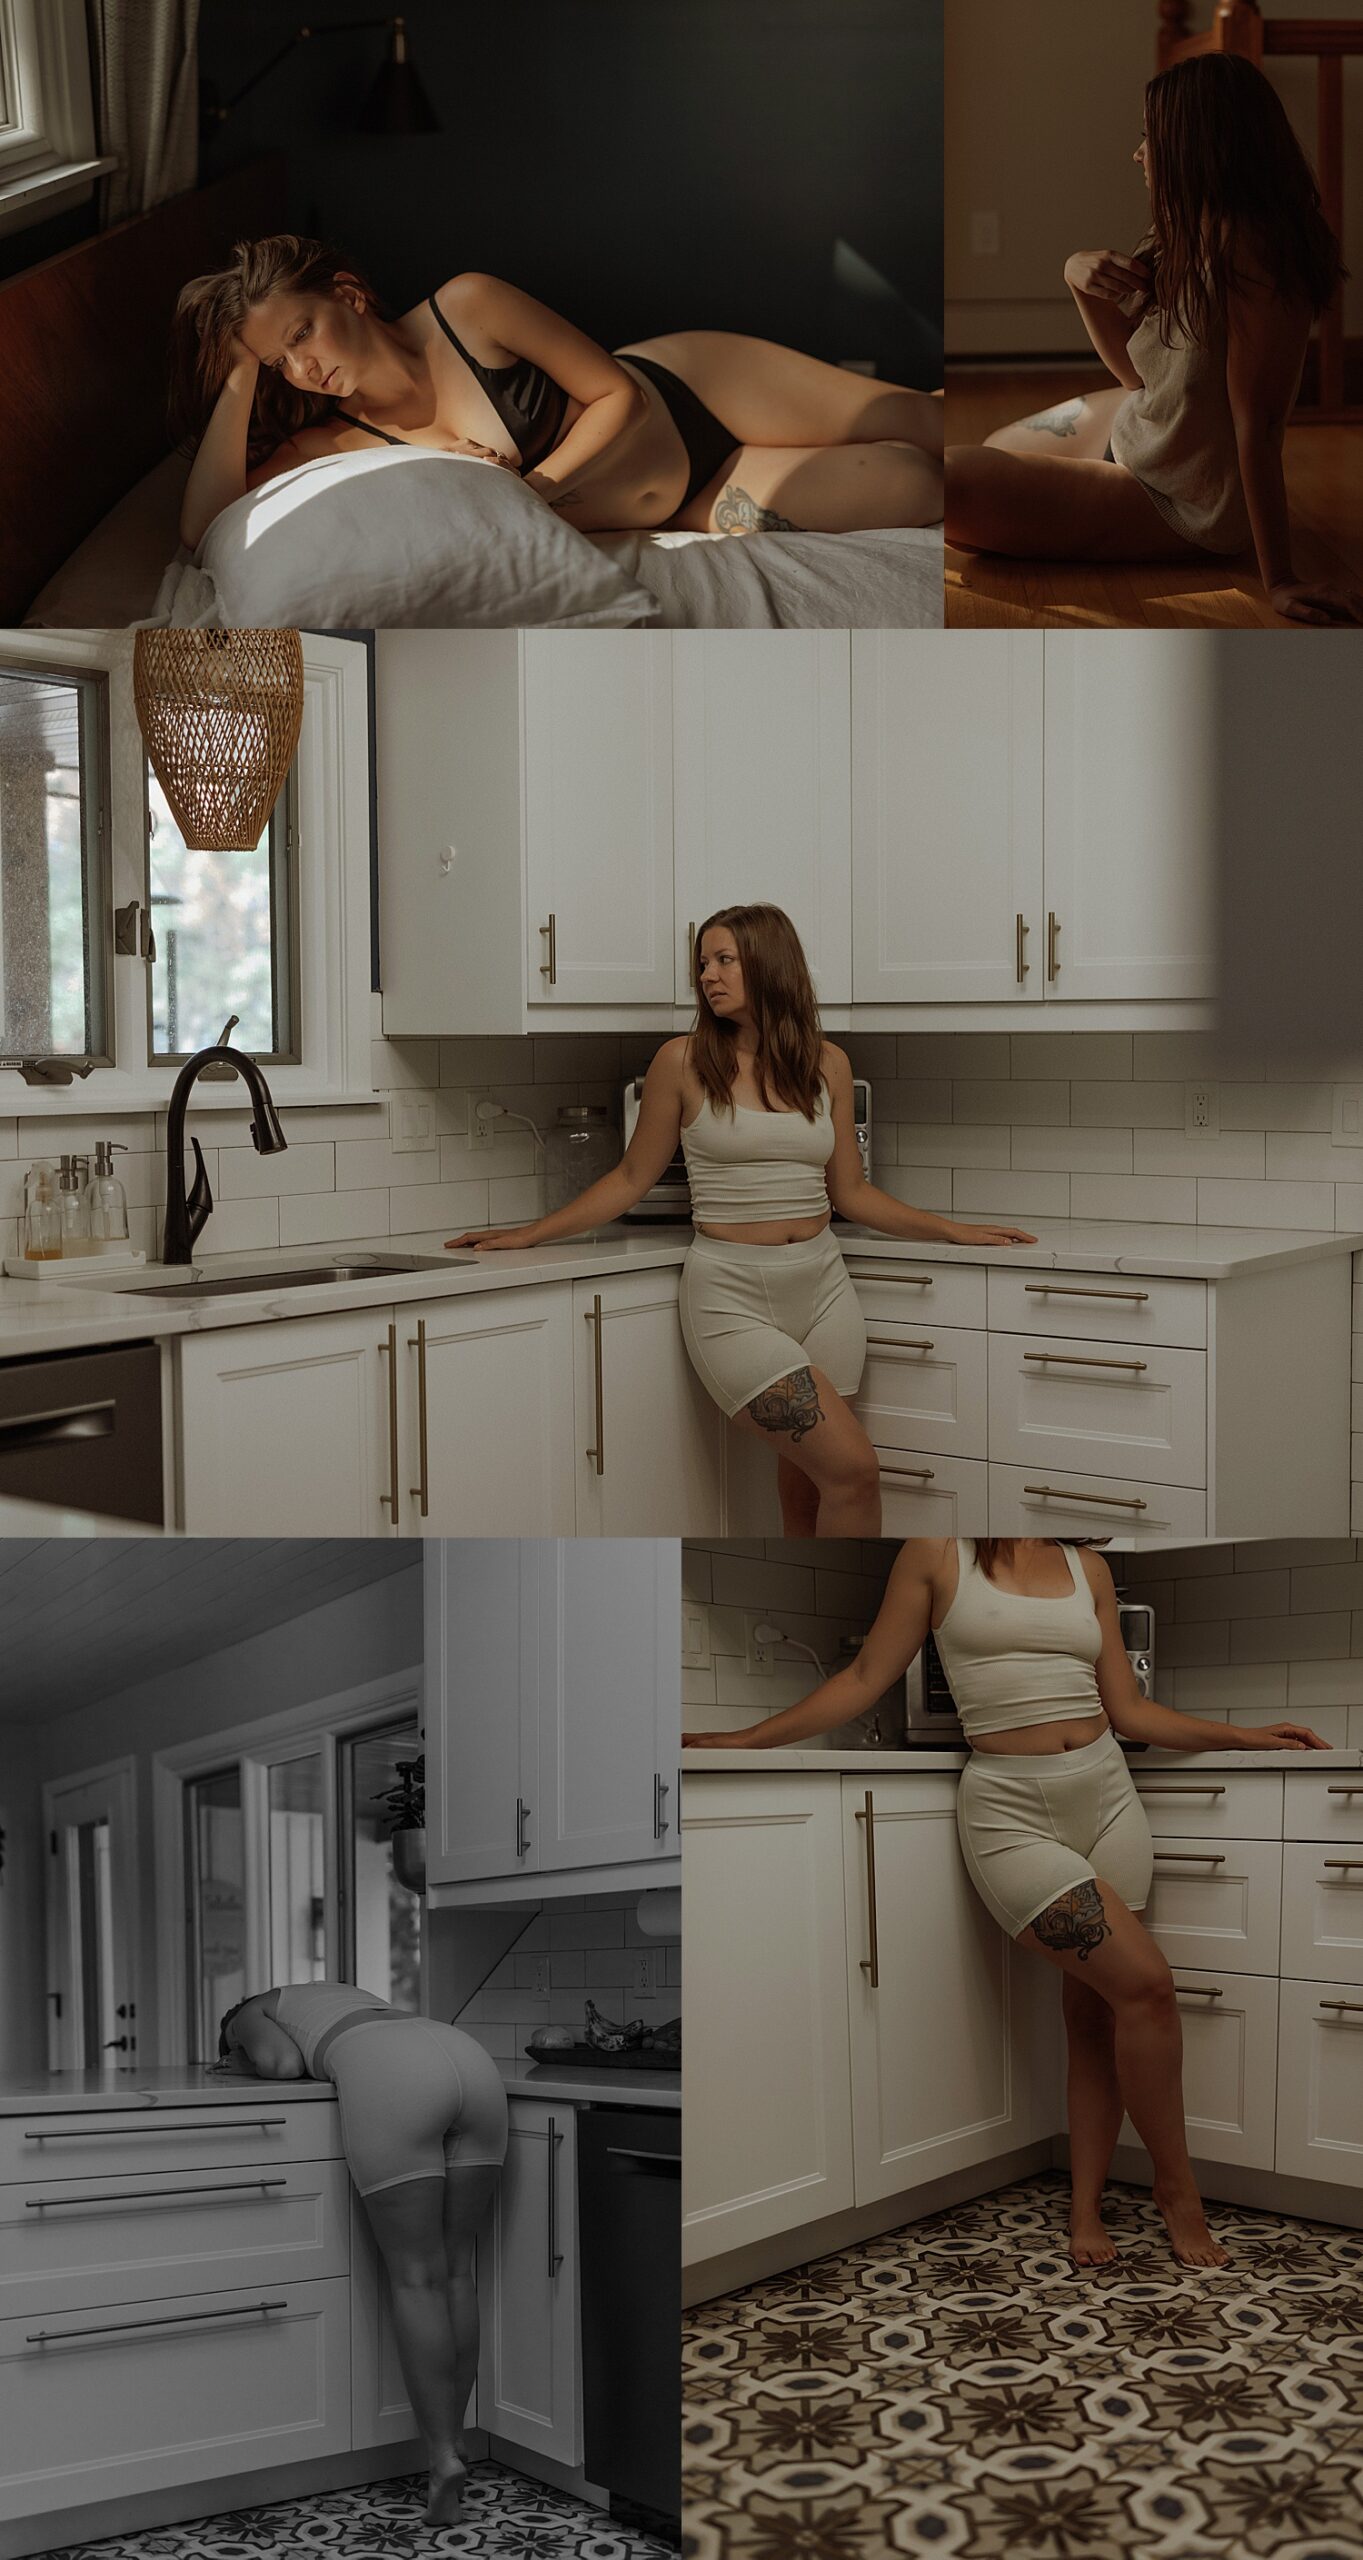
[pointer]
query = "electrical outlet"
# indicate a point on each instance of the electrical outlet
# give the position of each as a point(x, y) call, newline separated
point(1346, 1125)
point(413, 1123)
point(756, 1657)
point(482, 1127)
point(985, 235)
point(1201, 1110)
point(645, 1975)
point(539, 1973)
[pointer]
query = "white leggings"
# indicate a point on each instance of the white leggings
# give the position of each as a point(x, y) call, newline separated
point(753, 1313)
point(1034, 1825)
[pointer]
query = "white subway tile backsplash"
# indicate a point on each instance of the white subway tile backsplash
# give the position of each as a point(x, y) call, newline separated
point(1277, 1106)
point(929, 1143)
point(1127, 1106)
point(989, 1196)
point(301, 1168)
point(331, 1217)
point(1265, 1204)
point(1071, 1150)
point(1039, 1104)
point(1238, 1153)
point(1070, 1054)
point(1157, 1200)
point(238, 1226)
point(955, 1053)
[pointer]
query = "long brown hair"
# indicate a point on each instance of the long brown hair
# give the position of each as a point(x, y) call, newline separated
point(208, 319)
point(1229, 182)
point(992, 1551)
point(780, 997)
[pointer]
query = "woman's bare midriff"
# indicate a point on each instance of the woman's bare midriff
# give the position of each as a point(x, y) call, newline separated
point(773, 1231)
point(1034, 1741)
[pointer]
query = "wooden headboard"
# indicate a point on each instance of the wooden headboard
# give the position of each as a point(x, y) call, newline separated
point(83, 343)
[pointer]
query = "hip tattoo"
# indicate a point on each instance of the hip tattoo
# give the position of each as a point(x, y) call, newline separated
point(792, 1405)
point(1074, 1925)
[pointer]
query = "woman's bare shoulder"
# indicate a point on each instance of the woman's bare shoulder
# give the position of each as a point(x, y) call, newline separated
point(834, 1064)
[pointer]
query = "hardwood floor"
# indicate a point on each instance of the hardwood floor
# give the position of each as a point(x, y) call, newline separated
point(1325, 491)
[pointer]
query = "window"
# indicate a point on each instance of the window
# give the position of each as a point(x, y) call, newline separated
point(297, 1872)
point(380, 1920)
point(54, 901)
point(48, 159)
point(225, 931)
point(215, 1909)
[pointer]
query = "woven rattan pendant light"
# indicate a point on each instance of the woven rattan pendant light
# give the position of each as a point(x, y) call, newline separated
point(220, 712)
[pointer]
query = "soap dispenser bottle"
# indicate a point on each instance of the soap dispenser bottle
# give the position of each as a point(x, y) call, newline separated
point(72, 1182)
point(42, 1216)
point(106, 1200)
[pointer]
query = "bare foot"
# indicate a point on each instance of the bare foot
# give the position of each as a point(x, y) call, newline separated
point(445, 2491)
point(1089, 2243)
point(1189, 2238)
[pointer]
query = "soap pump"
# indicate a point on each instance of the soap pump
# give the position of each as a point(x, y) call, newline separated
point(106, 1200)
point(72, 1182)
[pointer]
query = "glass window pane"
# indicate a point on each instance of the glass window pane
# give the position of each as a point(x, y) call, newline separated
point(95, 1954)
point(297, 1872)
point(216, 1905)
point(51, 874)
point(221, 926)
point(384, 1918)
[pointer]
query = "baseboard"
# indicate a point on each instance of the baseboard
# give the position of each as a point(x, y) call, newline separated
point(140, 2514)
point(1261, 2190)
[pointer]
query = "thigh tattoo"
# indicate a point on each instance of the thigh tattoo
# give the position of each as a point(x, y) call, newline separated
point(1061, 421)
point(1074, 1925)
point(736, 512)
point(791, 1405)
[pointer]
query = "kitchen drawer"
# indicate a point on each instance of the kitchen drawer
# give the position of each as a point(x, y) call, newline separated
point(1247, 1805)
point(1320, 2083)
point(925, 1388)
point(1097, 1406)
point(932, 1497)
point(155, 2396)
point(1034, 1502)
point(904, 1292)
point(1329, 1807)
point(1230, 2066)
point(1323, 1911)
point(1214, 1904)
point(1087, 1306)
point(152, 2142)
point(70, 2244)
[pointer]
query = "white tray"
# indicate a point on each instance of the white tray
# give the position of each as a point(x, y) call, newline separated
point(74, 1266)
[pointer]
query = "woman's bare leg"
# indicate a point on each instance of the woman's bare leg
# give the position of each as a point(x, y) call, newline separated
point(770, 395)
point(804, 1420)
point(1071, 431)
point(818, 489)
point(408, 2224)
point(1094, 2109)
point(799, 1500)
point(468, 2193)
point(1094, 1939)
point(1036, 508)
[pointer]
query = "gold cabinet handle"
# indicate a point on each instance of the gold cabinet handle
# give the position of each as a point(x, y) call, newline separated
point(892, 1342)
point(1350, 1866)
point(871, 1964)
point(1052, 951)
point(1067, 1493)
point(1179, 1787)
point(909, 1475)
point(1352, 1787)
point(1082, 1360)
point(1190, 1857)
point(1354, 2007)
point(904, 1279)
point(598, 1454)
point(549, 967)
point(1199, 1991)
point(421, 1493)
point(691, 956)
point(390, 1499)
point(1021, 962)
point(1062, 1289)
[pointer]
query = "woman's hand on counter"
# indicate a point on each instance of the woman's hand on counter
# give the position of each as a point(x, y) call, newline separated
point(741, 1741)
point(988, 1235)
point(1279, 1737)
point(493, 1239)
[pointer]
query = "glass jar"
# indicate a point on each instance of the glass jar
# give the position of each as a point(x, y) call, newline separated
point(580, 1147)
point(42, 1214)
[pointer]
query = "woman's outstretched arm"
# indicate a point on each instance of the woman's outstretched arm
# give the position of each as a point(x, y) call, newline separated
point(899, 1633)
point(1142, 1720)
point(1101, 282)
point(1264, 347)
point(852, 1196)
point(645, 1159)
point(610, 398)
point(219, 472)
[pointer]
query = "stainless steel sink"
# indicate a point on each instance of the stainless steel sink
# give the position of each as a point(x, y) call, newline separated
point(312, 1275)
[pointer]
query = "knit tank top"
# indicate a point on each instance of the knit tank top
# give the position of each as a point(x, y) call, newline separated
point(1014, 1660)
point(755, 1167)
point(1176, 435)
point(307, 2011)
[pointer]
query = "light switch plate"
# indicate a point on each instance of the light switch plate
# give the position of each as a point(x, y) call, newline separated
point(696, 1654)
point(1346, 1125)
point(413, 1123)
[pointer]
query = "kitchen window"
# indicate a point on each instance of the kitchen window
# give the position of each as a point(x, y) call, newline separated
point(225, 927)
point(215, 1903)
point(48, 157)
point(54, 865)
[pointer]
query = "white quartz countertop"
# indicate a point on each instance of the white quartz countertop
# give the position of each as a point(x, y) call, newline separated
point(792, 1759)
point(596, 2088)
point(188, 2085)
point(49, 1315)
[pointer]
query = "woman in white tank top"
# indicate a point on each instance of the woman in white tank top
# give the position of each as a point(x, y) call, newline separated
point(1053, 1834)
point(1205, 328)
point(761, 1104)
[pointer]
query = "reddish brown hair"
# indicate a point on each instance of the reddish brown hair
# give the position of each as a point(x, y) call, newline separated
point(780, 997)
point(208, 319)
point(1231, 191)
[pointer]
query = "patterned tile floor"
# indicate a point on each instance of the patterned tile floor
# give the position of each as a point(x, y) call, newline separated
point(958, 2386)
point(505, 2517)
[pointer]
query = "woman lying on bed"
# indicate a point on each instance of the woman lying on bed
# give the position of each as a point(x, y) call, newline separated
point(287, 355)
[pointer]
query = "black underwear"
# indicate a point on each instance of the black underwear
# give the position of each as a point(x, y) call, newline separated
point(708, 444)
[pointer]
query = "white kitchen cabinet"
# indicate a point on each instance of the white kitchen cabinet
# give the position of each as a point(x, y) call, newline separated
point(482, 1656)
point(598, 817)
point(1215, 1902)
point(1099, 1408)
point(1322, 1938)
point(529, 2369)
point(947, 902)
point(71, 2244)
point(283, 1428)
point(493, 1376)
point(1230, 2066)
point(932, 1497)
point(1132, 818)
point(380, 2411)
point(1320, 2082)
point(762, 790)
point(925, 1390)
point(765, 2091)
point(649, 1446)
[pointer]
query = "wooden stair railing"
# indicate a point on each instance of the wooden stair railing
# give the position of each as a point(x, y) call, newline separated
point(1239, 26)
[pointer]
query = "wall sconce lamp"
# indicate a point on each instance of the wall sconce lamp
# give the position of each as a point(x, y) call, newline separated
point(397, 101)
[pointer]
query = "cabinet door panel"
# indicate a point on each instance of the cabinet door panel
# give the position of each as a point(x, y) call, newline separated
point(946, 817)
point(482, 1709)
point(654, 1466)
point(610, 1699)
point(69, 2244)
point(380, 2411)
point(499, 1414)
point(1215, 1903)
point(1036, 1502)
point(763, 789)
point(598, 817)
point(285, 1427)
point(1320, 2082)
point(762, 1869)
point(1098, 1407)
point(529, 2369)
point(1325, 1808)
point(1323, 1910)
point(1230, 2066)
point(931, 1497)
point(1235, 1804)
point(1131, 817)
point(925, 1389)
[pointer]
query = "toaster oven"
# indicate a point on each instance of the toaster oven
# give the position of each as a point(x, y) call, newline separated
point(670, 1199)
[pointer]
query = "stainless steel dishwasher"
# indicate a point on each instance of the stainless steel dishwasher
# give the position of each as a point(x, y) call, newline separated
point(82, 1429)
point(629, 2224)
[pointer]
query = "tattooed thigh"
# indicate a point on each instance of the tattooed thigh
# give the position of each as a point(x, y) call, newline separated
point(736, 512)
point(792, 1405)
point(1075, 1924)
point(1063, 420)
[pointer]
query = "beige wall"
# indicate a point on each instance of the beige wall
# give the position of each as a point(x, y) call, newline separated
point(1043, 112)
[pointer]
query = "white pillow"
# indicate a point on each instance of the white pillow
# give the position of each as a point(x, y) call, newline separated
point(356, 541)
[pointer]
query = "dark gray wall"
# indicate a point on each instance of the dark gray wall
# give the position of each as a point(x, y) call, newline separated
point(641, 165)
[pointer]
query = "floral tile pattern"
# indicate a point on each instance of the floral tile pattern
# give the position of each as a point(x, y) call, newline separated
point(505, 2517)
point(958, 2386)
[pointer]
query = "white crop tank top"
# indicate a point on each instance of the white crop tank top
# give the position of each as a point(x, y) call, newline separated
point(1013, 1660)
point(306, 2010)
point(753, 1166)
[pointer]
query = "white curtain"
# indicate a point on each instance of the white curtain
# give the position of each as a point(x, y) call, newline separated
point(145, 75)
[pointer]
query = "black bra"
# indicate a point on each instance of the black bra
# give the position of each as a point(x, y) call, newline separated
point(529, 404)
